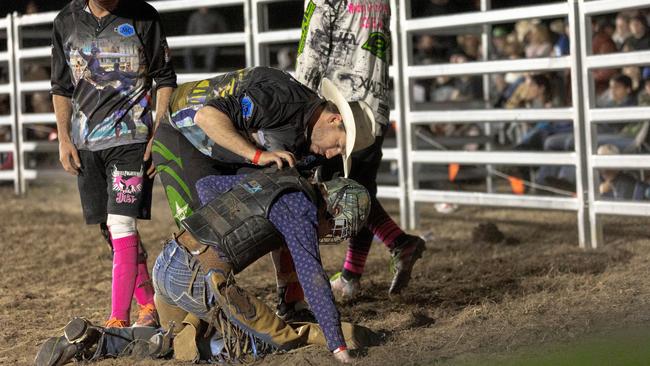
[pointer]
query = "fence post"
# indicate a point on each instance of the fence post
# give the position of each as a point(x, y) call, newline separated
point(580, 35)
point(400, 134)
point(13, 47)
point(12, 104)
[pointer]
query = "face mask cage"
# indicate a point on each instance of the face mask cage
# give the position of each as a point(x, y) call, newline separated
point(342, 218)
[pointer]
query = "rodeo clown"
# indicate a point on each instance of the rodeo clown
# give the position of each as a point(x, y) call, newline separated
point(245, 217)
point(245, 120)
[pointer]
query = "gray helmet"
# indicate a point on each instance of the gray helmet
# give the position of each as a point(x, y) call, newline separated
point(348, 206)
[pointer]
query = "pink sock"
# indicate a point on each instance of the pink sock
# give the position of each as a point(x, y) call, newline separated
point(125, 266)
point(143, 288)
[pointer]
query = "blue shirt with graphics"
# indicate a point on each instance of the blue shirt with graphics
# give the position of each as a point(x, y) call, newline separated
point(106, 66)
point(296, 218)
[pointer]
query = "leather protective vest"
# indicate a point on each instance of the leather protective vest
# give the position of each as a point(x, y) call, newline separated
point(237, 223)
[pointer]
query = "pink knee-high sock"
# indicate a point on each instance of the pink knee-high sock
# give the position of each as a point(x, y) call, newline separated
point(143, 288)
point(125, 266)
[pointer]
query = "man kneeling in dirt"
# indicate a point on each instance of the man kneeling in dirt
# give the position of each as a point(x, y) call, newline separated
point(244, 217)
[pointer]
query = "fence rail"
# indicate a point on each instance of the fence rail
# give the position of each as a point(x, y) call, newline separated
point(257, 38)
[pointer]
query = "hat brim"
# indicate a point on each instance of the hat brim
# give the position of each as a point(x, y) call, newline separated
point(330, 92)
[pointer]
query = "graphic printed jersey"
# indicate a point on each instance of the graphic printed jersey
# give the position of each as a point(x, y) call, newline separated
point(296, 218)
point(106, 66)
point(348, 42)
point(267, 106)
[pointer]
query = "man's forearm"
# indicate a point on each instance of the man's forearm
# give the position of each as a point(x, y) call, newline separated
point(220, 129)
point(163, 95)
point(63, 113)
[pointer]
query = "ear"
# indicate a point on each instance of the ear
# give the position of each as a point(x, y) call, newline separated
point(335, 119)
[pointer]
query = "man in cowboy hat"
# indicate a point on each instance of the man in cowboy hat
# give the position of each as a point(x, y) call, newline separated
point(247, 119)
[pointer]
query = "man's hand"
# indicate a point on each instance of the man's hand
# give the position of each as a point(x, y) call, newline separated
point(277, 157)
point(343, 356)
point(69, 157)
point(151, 172)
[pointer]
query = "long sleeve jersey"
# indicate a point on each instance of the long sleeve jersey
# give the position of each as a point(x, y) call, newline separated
point(348, 42)
point(107, 66)
point(296, 218)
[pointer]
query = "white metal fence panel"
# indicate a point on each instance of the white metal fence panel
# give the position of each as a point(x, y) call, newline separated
point(414, 72)
point(24, 121)
point(594, 116)
point(9, 150)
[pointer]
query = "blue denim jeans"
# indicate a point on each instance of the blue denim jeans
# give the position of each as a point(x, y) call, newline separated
point(178, 280)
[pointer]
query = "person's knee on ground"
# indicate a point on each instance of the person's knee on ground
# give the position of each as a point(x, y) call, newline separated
point(169, 314)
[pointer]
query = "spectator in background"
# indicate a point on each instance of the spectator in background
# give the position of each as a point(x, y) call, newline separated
point(539, 42)
point(622, 30)
point(643, 98)
point(470, 45)
point(602, 43)
point(204, 21)
point(620, 185)
point(619, 93)
point(499, 41)
point(634, 73)
point(286, 58)
point(424, 50)
point(639, 40)
point(31, 7)
point(562, 44)
point(537, 92)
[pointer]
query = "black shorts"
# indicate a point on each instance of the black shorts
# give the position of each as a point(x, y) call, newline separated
point(180, 165)
point(114, 181)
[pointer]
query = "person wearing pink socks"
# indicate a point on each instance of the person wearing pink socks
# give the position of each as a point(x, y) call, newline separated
point(105, 128)
point(130, 275)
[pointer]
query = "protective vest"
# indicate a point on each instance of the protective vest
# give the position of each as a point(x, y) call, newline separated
point(237, 223)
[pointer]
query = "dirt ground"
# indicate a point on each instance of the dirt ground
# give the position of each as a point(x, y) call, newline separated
point(467, 302)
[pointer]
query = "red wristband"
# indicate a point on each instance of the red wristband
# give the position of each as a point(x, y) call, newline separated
point(256, 158)
point(342, 348)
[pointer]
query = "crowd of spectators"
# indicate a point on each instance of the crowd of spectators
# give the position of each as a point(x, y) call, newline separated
point(614, 88)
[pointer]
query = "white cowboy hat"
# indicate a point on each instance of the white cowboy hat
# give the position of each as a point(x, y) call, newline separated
point(358, 120)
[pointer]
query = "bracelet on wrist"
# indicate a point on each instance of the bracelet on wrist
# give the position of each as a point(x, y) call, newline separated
point(256, 158)
point(340, 349)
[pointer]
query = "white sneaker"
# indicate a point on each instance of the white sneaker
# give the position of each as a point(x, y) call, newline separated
point(345, 290)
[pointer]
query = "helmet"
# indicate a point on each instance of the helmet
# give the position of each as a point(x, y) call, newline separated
point(347, 205)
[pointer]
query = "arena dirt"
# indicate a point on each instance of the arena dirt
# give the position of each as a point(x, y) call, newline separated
point(465, 299)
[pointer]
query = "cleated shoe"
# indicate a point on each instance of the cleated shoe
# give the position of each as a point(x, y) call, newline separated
point(147, 317)
point(81, 330)
point(403, 258)
point(345, 290)
point(116, 323)
point(56, 351)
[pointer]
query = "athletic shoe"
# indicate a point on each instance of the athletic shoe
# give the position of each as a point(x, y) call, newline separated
point(80, 330)
point(147, 317)
point(78, 342)
point(343, 289)
point(116, 323)
point(403, 258)
point(56, 351)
